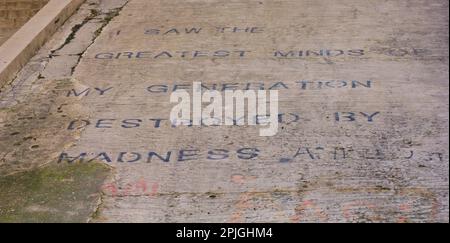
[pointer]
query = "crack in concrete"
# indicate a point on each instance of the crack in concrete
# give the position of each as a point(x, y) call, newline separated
point(101, 200)
point(97, 210)
point(109, 16)
point(209, 194)
point(75, 29)
point(10, 90)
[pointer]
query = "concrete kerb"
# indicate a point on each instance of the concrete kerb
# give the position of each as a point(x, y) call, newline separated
point(18, 49)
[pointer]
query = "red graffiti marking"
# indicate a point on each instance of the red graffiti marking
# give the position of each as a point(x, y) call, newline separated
point(138, 188)
point(304, 206)
point(348, 210)
point(243, 203)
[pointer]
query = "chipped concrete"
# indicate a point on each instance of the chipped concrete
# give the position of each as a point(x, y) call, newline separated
point(365, 131)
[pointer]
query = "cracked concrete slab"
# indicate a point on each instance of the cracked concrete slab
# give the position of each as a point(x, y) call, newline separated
point(363, 110)
point(20, 47)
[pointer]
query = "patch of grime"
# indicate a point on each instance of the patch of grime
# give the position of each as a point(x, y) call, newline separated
point(53, 193)
point(33, 131)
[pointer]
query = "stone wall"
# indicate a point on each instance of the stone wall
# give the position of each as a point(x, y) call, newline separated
point(15, 13)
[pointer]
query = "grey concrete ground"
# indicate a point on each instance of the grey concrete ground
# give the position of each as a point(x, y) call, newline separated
point(363, 103)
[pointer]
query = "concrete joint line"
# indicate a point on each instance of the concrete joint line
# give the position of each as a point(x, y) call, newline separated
point(109, 16)
point(18, 49)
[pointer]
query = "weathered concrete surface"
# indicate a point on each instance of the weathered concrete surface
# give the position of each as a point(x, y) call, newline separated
point(24, 44)
point(33, 117)
point(56, 193)
point(387, 64)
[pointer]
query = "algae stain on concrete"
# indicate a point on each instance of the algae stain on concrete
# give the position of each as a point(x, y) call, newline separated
point(54, 193)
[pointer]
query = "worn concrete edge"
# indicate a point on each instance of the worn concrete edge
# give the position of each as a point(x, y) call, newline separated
point(20, 47)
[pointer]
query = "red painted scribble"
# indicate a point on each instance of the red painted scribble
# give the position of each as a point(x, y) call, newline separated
point(238, 179)
point(348, 209)
point(111, 188)
point(308, 205)
point(137, 188)
point(404, 208)
point(310, 210)
point(243, 203)
point(241, 179)
point(423, 193)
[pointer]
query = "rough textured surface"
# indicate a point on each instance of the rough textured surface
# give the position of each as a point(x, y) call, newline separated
point(56, 193)
point(23, 45)
point(31, 130)
point(365, 128)
point(15, 13)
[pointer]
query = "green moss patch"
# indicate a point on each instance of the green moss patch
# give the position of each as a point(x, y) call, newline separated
point(55, 193)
